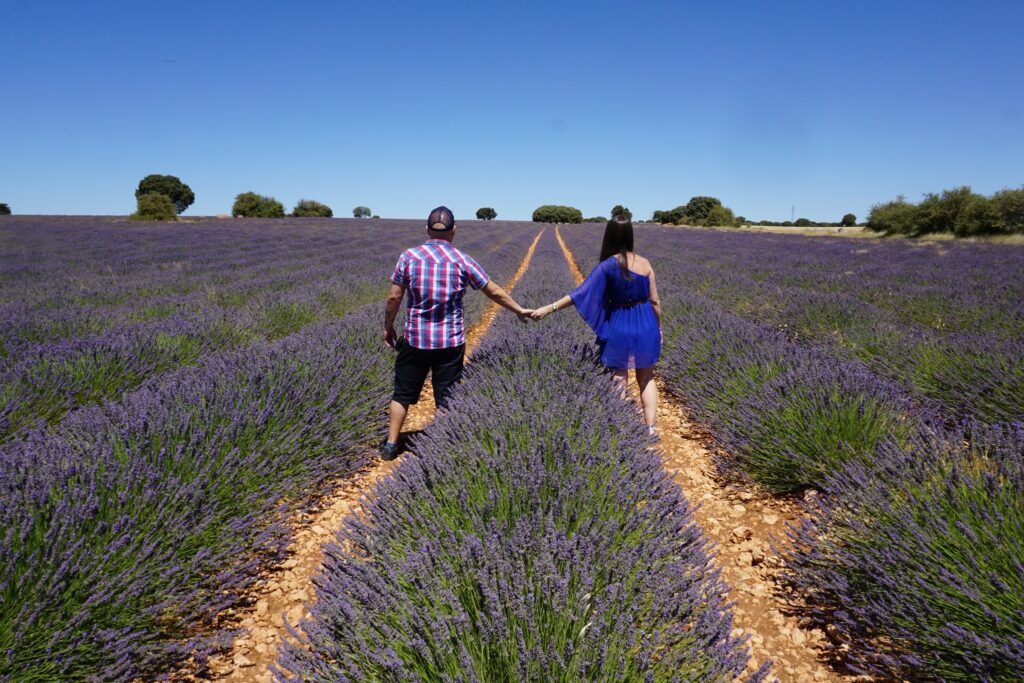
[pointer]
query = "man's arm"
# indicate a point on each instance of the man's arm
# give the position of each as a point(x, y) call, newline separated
point(394, 302)
point(495, 293)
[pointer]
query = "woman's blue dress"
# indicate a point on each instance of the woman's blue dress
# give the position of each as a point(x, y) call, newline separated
point(619, 310)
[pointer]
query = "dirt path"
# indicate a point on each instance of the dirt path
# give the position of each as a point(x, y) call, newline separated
point(741, 521)
point(288, 590)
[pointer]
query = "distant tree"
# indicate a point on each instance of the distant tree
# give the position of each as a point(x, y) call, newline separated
point(719, 216)
point(595, 219)
point(1009, 204)
point(361, 212)
point(309, 208)
point(849, 220)
point(620, 210)
point(676, 216)
point(179, 193)
point(374, 216)
point(252, 205)
point(698, 208)
point(5, 210)
point(551, 213)
point(154, 206)
point(486, 213)
point(803, 222)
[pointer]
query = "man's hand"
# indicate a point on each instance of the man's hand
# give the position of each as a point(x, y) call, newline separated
point(540, 313)
point(525, 314)
point(389, 336)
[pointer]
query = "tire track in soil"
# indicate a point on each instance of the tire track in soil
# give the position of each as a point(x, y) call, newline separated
point(288, 589)
point(742, 521)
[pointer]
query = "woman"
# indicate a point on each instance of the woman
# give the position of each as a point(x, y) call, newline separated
point(619, 300)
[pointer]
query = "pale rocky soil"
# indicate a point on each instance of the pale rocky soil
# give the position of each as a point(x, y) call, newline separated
point(287, 592)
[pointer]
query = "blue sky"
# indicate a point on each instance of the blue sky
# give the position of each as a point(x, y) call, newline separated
point(401, 106)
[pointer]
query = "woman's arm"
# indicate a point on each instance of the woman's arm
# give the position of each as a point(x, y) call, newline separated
point(654, 299)
point(545, 311)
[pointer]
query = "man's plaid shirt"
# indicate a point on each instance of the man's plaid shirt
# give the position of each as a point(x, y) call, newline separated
point(436, 275)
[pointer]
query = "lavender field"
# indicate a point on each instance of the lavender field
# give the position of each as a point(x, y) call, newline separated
point(170, 394)
point(889, 376)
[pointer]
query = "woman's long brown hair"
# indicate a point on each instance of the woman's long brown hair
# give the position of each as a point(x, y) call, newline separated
point(618, 240)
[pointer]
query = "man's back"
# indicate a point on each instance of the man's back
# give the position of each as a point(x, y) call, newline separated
point(436, 275)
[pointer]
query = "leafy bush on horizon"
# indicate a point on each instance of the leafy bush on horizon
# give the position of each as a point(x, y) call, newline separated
point(154, 206)
point(179, 193)
point(620, 210)
point(307, 208)
point(553, 213)
point(960, 212)
point(596, 219)
point(486, 213)
point(849, 220)
point(252, 205)
point(5, 210)
point(361, 212)
point(708, 211)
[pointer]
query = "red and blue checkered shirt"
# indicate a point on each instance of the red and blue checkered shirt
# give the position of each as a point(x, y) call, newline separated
point(436, 275)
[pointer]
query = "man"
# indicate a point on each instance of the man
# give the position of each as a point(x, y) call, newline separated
point(436, 275)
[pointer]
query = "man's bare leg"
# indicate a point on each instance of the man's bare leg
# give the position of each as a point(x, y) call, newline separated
point(398, 412)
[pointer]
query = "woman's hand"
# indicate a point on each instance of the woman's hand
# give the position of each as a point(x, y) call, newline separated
point(525, 314)
point(541, 313)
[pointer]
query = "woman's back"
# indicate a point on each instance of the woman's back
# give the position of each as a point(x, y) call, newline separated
point(631, 286)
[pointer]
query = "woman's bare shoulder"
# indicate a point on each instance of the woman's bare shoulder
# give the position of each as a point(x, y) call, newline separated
point(641, 265)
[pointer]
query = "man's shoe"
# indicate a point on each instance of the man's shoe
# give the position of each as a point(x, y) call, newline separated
point(389, 451)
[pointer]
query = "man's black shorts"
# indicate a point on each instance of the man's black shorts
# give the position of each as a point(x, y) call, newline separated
point(412, 365)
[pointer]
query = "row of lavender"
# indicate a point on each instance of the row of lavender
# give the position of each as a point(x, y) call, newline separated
point(129, 525)
point(532, 537)
point(914, 556)
point(59, 355)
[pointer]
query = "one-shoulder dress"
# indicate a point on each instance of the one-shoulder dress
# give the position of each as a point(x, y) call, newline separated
point(617, 307)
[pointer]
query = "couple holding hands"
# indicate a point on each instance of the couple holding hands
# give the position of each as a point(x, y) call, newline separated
point(619, 300)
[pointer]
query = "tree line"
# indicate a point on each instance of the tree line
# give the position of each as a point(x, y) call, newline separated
point(960, 212)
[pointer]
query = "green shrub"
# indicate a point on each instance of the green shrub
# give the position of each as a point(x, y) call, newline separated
point(153, 206)
point(620, 210)
point(719, 216)
point(694, 212)
point(897, 217)
point(361, 212)
point(551, 213)
point(849, 220)
point(5, 210)
point(252, 205)
point(596, 219)
point(179, 193)
point(803, 223)
point(1009, 204)
point(486, 213)
point(309, 208)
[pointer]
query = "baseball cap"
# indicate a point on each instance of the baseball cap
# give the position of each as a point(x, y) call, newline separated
point(442, 215)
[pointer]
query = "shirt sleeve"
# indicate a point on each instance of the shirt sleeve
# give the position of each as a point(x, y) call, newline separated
point(400, 276)
point(589, 297)
point(477, 276)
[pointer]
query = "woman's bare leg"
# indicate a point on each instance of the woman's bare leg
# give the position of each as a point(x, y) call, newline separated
point(648, 394)
point(621, 379)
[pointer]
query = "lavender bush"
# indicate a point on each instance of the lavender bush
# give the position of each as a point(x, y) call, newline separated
point(917, 562)
point(533, 536)
point(132, 524)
